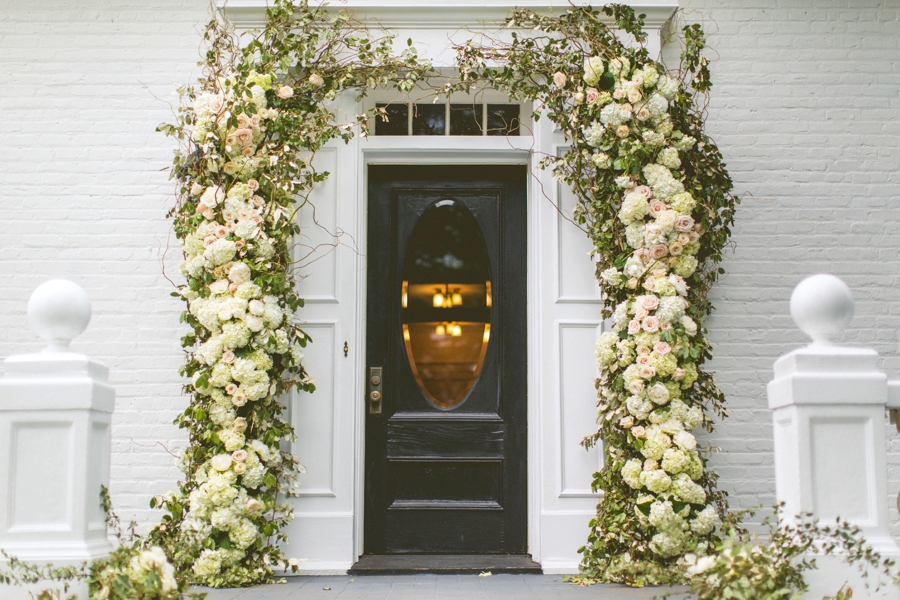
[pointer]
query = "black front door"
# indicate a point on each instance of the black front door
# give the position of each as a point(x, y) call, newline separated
point(446, 432)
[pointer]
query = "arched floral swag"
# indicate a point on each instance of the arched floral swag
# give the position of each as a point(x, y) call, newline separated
point(654, 198)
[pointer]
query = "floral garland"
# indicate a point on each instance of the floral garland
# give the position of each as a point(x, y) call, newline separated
point(654, 197)
point(249, 132)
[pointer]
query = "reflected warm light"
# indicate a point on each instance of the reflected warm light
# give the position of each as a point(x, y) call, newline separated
point(487, 298)
point(437, 300)
point(456, 298)
point(440, 329)
point(455, 329)
point(405, 333)
point(487, 332)
point(405, 295)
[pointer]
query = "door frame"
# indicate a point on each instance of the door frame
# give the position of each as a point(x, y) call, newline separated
point(428, 150)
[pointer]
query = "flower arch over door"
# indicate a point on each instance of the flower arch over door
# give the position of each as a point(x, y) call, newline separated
point(654, 198)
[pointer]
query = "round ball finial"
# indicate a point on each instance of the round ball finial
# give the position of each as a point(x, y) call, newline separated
point(822, 306)
point(59, 311)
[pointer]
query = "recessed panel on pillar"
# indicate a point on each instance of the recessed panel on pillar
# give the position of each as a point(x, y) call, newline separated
point(41, 469)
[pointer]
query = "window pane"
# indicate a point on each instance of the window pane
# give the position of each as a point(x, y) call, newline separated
point(428, 119)
point(465, 119)
point(503, 119)
point(398, 120)
point(446, 303)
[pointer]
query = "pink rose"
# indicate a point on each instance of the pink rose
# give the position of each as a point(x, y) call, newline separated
point(640, 312)
point(202, 208)
point(632, 283)
point(316, 80)
point(254, 121)
point(258, 201)
point(684, 223)
point(650, 324)
point(559, 79)
point(678, 374)
point(662, 348)
point(230, 389)
point(239, 468)
point(665, 326)
point(240, 424)
point(239, 455)
point(216, 105)
point(243, 120)
point(636, 386)
point(285, 92)
point(592, 95)
point(247, 151)
point(623, 131)
point(626, 422)
point(228, 358)
point(254, 506)
point(683, 238)
point(642, 254)
point(229, 168)
point(239, 244)
point(644, 190)
point(643, 359)
point(221, 231)
point(650, 302)
point(634, 326)
point(209, 240)
point(638, 432)
point(643, 113)
point(646, 371)
point(634, 95)
point(642, 350)
point(196, 189)
point(659, 251)
point(619, 94)
point(627, 109)
point(233, 287)
point(657, 207)
point(243, 136)
point(253, 185)
point(675, 249)
point(239, 399)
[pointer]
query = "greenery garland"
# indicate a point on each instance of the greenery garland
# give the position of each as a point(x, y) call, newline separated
point(655, 199)
point(248, 134)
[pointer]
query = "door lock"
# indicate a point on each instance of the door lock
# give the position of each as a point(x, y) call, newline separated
point(374, 390)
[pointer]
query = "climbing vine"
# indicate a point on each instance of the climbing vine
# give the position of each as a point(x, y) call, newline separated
point(655, 199)
point(249, 131)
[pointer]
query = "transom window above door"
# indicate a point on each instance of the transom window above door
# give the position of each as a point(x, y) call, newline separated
point(447, 118)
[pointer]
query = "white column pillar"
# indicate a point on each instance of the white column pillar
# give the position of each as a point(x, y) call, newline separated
point(828, 410)
point(55, 409)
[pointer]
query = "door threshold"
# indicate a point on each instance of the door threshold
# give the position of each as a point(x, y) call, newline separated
point(444, 564)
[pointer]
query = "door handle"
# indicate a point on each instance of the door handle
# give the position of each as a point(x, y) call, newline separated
point(374, 390)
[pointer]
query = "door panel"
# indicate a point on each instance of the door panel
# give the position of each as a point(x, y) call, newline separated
point(446, 454)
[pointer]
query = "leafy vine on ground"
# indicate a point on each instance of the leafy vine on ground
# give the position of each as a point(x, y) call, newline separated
point(655, 198)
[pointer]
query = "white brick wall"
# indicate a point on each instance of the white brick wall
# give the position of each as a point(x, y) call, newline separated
point(805, 108)
point(84, 197)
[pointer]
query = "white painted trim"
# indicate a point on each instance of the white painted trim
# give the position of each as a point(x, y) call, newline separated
point(405, 14)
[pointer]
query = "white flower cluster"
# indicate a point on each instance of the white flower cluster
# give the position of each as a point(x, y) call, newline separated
point(246, 331)
point(154, 560)
point(650, 345)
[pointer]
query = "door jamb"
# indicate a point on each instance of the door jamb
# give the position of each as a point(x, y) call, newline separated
point(394, 152)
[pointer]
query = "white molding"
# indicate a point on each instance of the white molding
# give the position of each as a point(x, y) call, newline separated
point(405, 14)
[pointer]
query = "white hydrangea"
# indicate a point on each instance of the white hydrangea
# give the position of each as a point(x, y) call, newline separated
point(661, 180)
point(613, 115)
point(683, 203)
point(658, 393)
point(669, 158)
point(686, 142)
point(593, 69)
point(671, 309)
point(656, 443)
point(657, 480)
point(220, 252)
point(675, 461)
point(685, 440)
point(687, 490)
point(639, 406)
point(631, 473)
point(634, 235)
point(667, 86)
point(593, 134)
point(634, 207)
point(704, 522)
point(666, 544)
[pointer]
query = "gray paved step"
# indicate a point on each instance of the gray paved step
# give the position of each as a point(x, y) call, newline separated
point(430, 587)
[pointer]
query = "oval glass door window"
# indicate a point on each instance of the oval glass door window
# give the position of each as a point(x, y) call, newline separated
point(446, 302)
